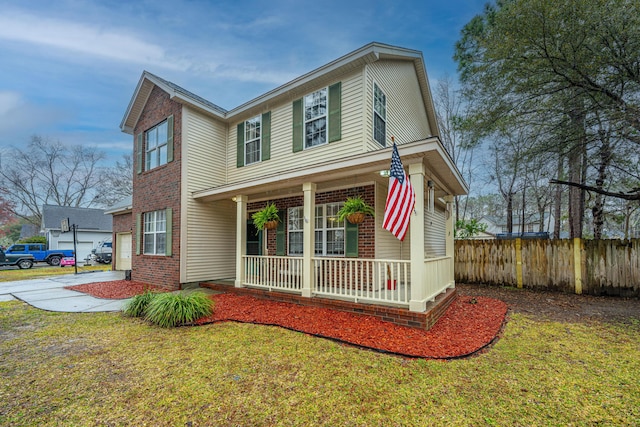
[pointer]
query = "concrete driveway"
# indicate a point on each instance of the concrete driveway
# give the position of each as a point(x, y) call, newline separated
point(49, 293)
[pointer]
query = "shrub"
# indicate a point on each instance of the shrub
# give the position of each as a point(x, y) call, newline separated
point(172, 309)
point(137, 306)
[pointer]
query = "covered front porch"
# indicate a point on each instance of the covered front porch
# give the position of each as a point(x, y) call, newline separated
point(407, 276)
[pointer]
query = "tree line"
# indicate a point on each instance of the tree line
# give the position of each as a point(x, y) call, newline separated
point(50, 172)
point(551, 90)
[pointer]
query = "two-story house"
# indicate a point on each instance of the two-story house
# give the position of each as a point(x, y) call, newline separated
point(201, 171)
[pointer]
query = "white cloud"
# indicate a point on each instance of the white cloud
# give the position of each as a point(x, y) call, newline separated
point(110, 43)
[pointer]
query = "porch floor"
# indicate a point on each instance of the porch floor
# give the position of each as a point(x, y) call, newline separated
point(400, 316)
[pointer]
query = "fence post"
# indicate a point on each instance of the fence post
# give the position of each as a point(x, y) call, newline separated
point(577, 264)
point(519, 262)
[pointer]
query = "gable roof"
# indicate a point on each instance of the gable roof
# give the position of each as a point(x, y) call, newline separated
point(367, 54)
point(121, 207)
point(84, 218)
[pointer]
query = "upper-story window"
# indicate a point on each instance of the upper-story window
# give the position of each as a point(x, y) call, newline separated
point(156, 142)
point(315, 118)
point(252, 129)
point(379, 115)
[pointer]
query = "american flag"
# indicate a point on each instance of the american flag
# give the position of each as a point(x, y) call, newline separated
point(400, 199)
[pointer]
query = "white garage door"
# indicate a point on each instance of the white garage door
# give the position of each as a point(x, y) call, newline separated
point(123, 251)
point(83, 249)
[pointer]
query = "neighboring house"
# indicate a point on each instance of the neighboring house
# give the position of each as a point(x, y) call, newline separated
point(201, 171)
point(29, 230)
point(93, 226)
point(498, 225)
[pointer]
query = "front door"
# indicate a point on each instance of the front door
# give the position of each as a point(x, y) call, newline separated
point(254, 239)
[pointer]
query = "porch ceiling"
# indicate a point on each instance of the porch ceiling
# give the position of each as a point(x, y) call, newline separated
point(362, 168)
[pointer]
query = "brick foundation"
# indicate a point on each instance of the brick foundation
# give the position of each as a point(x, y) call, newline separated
point(399, 316)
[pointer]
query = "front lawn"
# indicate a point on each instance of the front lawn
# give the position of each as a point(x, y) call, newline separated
point(9, 274)
point(106, 369)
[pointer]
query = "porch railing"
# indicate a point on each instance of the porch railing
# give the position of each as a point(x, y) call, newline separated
point(384, 281)
point(367, 280)
point(273, 272)
point(438, 273)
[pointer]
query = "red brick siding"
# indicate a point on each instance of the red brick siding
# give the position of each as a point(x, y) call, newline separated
point(366, 230)
point(158, 189)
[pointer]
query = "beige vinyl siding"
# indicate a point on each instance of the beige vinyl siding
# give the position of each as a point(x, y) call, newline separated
point(282, 156)
point(435, 230)
point(387, 245)
point(211, 247)
point(406, 115)
point(208, 230)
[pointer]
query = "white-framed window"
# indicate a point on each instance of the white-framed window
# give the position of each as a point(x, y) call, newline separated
point(156, 140)
point(295, 223)
point(252, 136)
point(379, 115)
point(315, 118)
point(329, 231)
point(155, 232)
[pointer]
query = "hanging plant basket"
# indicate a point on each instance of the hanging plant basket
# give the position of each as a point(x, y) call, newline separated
point(271, 225)
point(355, 218)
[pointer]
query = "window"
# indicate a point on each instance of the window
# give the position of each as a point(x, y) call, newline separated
point(315, 118)
point(252, 130)
point(379, 115)
point(329, 231)
point(155, 233)
point(156, 143)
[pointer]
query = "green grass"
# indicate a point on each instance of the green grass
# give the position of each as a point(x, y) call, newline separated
point(9, 274)
point(85, 369)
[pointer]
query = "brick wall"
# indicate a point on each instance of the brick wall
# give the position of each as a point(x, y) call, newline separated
point(366, 230)
point(158, 189)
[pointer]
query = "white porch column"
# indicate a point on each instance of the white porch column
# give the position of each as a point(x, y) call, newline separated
point(416, 228)
point(241, 238)
point(450, 246)
point(309, 237)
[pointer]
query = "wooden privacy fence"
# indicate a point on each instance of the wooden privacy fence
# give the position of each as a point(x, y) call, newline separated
point(595, 267)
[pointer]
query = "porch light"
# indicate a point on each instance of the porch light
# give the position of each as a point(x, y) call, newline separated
point(384, 173)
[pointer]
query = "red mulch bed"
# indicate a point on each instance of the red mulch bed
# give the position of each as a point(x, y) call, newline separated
point(469, 325)
point(116, 289)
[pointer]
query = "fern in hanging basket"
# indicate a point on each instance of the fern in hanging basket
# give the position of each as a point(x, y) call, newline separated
point(354, 210)
point(266, 218)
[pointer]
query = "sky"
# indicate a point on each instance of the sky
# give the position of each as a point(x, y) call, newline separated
point(68, 68)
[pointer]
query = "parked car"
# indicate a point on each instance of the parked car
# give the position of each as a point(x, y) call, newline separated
point(103, 251)
point(22, 261)
point(68, 260)
point(40, 252)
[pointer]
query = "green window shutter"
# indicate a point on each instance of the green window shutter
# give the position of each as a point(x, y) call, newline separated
point(298, 126)
point(139, 152)
point(266, 136)
point(240, 146)
point(170, 139)
point(335, 113)
point(138, 232)
point(280, 235)
point(169, 235)
point(351, 240)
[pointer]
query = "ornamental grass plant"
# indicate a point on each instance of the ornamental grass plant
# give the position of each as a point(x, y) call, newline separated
point(172, 309)
point(137, 306)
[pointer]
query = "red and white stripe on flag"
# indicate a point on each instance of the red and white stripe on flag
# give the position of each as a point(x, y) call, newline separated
point(401, 199)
